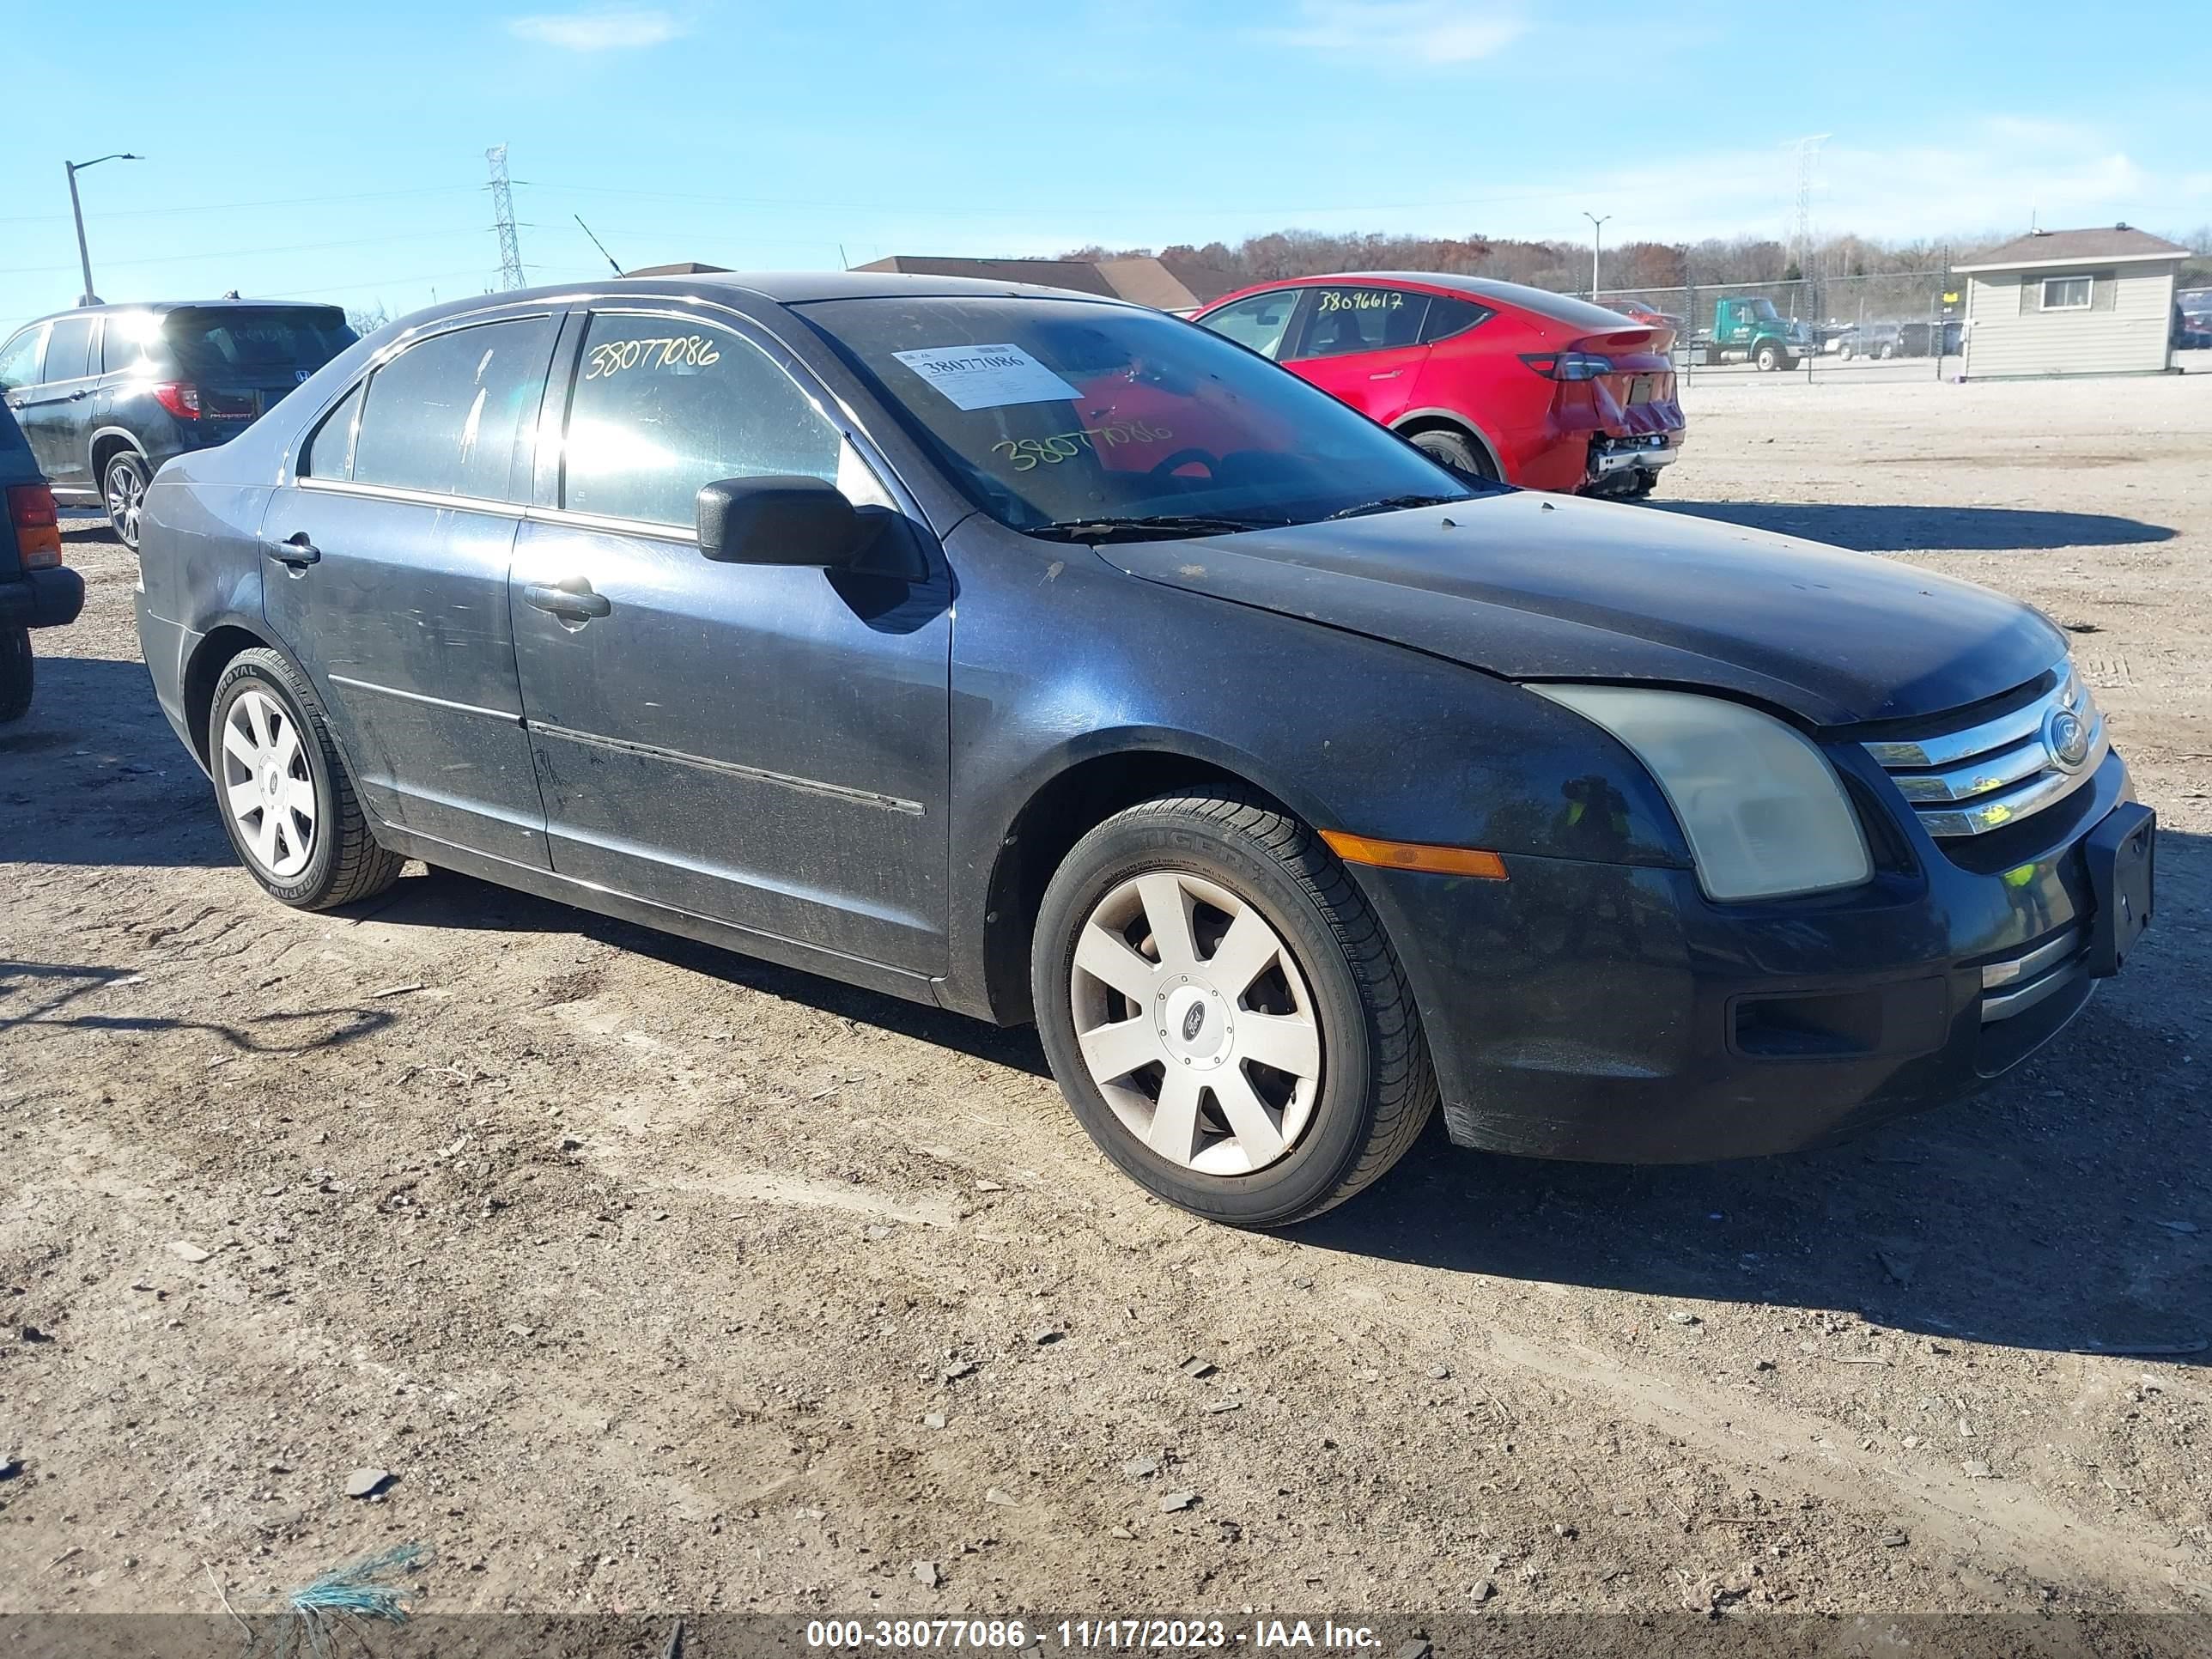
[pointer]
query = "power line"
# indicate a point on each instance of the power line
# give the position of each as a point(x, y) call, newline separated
point(227, 207)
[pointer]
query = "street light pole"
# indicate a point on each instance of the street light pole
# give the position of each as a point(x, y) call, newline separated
point(1597, 240)
point(76, 211)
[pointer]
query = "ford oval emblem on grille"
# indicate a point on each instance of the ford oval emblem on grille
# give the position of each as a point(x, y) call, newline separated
point(2066, 738)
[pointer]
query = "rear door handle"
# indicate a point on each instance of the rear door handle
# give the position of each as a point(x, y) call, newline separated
point(577, 604)
point(298, 552)
point(1387, 375)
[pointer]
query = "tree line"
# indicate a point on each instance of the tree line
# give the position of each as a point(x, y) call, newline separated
point(1565, 267)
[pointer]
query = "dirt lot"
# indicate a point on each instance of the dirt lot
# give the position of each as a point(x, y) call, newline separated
point(660, 1279)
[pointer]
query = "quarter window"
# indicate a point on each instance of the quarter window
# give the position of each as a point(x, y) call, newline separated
point(2067, 293)
point(1448, 317)
point(1344, 320)
point(327, 452)
point(455, 416)
point(665, 404)
point(18, 358)
point(1259, 322)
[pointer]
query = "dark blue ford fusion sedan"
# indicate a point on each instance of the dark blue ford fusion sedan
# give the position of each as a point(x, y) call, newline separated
point(1046, 658)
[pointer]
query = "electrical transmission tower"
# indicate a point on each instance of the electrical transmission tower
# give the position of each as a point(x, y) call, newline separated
point(1808, 156)
point(503, 216)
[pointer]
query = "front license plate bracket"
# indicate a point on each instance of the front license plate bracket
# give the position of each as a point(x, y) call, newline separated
point(2122, 853)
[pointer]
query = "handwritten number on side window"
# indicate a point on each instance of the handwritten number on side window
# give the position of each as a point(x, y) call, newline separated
point(1362, 300)
point(1025, 454)
point(616, 356)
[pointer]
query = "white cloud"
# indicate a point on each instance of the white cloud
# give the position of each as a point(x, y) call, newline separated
point(1419, 32)
point(597, 31)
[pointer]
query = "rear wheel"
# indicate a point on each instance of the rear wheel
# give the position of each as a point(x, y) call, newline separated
point(15, 673)
point(287, 802)
point(1224, 1012)
point(1456, 453)
point(122, 487)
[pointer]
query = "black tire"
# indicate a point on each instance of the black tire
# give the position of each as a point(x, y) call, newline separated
point(1376, 1088)
point(1647, 480)
point(1456, 453)
point(16, 673)
point(1769, 359)
point(345, 864)
point(122, 490)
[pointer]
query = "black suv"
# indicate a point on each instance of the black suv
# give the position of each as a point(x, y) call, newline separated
point(107, 393)
point(36, 590)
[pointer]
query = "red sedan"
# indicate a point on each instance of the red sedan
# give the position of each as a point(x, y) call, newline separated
point(1491, 378)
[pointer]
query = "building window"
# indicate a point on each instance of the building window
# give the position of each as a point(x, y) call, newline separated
point(2066, 293)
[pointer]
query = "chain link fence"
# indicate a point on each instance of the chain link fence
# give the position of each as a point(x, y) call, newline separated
point(1901, 326)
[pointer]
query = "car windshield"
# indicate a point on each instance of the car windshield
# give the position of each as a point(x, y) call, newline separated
point(248, 338)
point(1067, 416)
point(1764, 311)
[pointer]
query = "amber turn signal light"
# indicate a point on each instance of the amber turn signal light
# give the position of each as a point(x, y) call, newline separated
point(1416, 855)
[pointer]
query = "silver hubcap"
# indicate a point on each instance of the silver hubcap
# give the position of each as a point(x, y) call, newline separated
point(1195, 1024)
point(126, 497)
point(266, 785)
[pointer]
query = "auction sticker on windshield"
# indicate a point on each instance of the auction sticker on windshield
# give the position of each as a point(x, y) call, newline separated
point(986, 376)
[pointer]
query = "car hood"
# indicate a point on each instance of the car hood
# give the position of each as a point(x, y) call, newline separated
point(1554, 587)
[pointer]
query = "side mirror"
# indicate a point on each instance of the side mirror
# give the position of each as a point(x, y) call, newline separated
point(780, 520)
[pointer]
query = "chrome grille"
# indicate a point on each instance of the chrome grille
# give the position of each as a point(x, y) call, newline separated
point(1984, 777)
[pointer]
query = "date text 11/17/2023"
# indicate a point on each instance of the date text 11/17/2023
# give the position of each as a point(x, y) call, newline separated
point(1133, 1634)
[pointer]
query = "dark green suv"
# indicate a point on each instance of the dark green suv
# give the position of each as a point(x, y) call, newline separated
point(107, 393)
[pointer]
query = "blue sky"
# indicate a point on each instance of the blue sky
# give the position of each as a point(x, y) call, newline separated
point(335, 151)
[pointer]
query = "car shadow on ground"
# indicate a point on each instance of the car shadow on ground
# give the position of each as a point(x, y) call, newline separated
point(442, 898)
point(1899, 529)
point(2067, 1207)
point(94, 775)
point(44, 993)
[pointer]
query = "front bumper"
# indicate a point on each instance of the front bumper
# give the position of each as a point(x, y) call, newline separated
point(41, 599)
point(1613, 1013)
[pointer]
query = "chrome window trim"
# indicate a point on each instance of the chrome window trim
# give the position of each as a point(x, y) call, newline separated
point(516, 510)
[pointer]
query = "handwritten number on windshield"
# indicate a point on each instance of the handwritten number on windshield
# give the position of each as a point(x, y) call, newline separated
point(1026, 453)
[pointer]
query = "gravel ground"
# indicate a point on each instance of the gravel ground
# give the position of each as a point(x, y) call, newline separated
point(655, 1278)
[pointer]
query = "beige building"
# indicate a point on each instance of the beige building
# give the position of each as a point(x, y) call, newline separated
point(2071, 302)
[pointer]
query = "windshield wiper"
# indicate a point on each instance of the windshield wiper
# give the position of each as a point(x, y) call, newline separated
point(1156, 528)
point(1391, 504)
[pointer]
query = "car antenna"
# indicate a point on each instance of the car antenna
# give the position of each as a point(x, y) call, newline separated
point(600, 245)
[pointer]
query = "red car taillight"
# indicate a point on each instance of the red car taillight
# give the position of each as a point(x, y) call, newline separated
point(1568, 365)
point(180, 397)
point(37, 525)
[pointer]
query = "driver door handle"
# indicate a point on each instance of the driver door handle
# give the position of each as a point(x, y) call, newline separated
point(572, 603)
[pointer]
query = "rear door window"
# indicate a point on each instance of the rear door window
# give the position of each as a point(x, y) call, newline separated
point(456, 415)
point(69, 348)
point(1259, 322)
point(18, 358)
point(1343, 320)
point(665, 404)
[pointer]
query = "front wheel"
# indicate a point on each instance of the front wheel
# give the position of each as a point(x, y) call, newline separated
point(1224, 1012)
point(122, 487)
point(287, 802)
point(1768, 358)
point(16, 673)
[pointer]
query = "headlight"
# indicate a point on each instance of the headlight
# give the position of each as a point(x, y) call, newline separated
point(1762, 808)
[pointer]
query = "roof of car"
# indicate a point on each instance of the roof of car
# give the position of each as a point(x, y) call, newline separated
point(1564, 307)
point(789, 288)
point(182, 305)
